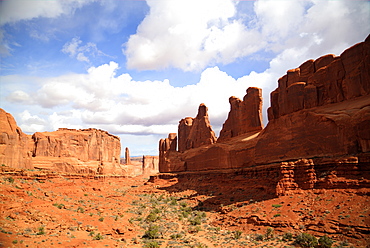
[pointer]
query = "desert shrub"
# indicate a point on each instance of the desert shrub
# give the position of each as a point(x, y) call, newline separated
point(269, 233)
point(197, 220)
point(152, 217)
point(80, 209)
point(237, 234)
point(41, 231)
point(325, 242)
point(176, 236)
point(151, 244)
point(287, 237)
point(101, 219)
point(9, 179)
point(98, 237)
point(259, 237)
point(152, 232)
point(276, 205)
point(306, 240)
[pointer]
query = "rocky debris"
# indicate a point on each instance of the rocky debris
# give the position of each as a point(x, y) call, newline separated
point(244, 116)
point(195, 132)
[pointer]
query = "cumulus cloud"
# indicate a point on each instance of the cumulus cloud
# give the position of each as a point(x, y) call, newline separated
point(192, 35)
point(16, 10)
point(189, 35)
point(101, 98)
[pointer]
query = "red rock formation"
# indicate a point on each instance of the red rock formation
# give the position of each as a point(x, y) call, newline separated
point(127, 156)
point(15, 146)
point(196, 132)
point(150, 165)
point(244, 116)
point(67, 150)
point(166, 146)
point(319, 110)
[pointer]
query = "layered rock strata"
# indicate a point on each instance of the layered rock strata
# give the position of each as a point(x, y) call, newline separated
point(15, 146)
point(67, 150)
point(195, 132)
point(319, 110)
point(244, 116)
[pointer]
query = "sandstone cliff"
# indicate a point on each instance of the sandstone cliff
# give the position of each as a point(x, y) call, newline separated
point(319, 110)
point(15, 146)
point(244, 116)
point(68, 150)
point(195, 132)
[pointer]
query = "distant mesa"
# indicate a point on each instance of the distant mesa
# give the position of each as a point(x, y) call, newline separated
point(87, 151)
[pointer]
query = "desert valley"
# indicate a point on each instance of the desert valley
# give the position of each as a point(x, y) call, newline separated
point(301, 181)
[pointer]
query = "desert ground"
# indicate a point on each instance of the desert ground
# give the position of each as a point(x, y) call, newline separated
point(48, 209)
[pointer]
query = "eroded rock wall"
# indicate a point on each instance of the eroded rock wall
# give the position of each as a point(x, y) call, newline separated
point(15, 146)
point(319, 110)
point(67, 150)
point(244, 116)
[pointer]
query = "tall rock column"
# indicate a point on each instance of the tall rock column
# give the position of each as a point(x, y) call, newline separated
point(196, 132)
point(165, 147)
point(244, 116)
point(127, 156)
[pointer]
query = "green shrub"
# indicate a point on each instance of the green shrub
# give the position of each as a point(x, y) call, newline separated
point(237, 234)
point(176, 236)
point(152, 232)
point(151, 244)
point(269, 233)
point(9, 179)
point(41, 231)
point(152, 217)
point(276, 205)
point(325, 242)
point(98, 237)
point(101, 219)
point(287, 237)
point(306, 240)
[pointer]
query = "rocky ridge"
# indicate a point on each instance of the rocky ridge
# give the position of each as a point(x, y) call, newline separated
point(65, 150)
point(319, 115)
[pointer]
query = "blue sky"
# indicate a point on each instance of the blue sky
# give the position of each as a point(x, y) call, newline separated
point(135, 68)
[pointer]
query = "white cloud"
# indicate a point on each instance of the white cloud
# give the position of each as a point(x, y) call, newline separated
point(81, 52)
point(16, 10)
point(192, 35)
point(189, 35)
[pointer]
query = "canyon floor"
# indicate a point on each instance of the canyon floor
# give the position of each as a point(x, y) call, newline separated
point(46, 209)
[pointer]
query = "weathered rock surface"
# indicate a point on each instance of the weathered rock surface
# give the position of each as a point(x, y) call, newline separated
point(92, 149)
point(15, 146)
point(244, 116)
point(127, 156)
point(319, 110)
point(67, 150)
point(196, 132)
point(150, 164)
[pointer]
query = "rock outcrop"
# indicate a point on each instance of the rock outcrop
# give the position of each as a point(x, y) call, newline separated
point(127, 156)
point(66, 150)
point(15, 146)
point(80, 150)
point(319, 110)
point(244, 116)
point(196, 132)
point(150, 164)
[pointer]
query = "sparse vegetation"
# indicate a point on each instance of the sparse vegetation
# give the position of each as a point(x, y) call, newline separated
point(306, 240)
